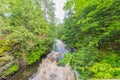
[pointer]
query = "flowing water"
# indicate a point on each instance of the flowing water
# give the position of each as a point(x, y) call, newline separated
point(48, 69)
point(60, 47)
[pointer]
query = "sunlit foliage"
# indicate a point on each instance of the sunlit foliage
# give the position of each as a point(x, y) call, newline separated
point(92, 29)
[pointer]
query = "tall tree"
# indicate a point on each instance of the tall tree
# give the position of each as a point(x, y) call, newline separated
point(93, 32)
point(25, 35)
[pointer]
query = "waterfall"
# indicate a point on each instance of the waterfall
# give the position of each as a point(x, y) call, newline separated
point(49, 69)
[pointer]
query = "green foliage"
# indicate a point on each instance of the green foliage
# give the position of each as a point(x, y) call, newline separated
point(102, 70)
point(5, 45)
point(85, 56)
point(3, 49)
point(92, 28)
point(27, 28)
point(110, 58)
point(83, 59)
point(66, 60)
point(89, 63)
point(117, 72)
point(93, 23)
point(25, 32)
point(35, 55)
point(12, 69)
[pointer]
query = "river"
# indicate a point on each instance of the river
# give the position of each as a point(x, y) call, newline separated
point(48, 69)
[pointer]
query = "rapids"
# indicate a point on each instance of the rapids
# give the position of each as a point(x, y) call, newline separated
point(49, 69)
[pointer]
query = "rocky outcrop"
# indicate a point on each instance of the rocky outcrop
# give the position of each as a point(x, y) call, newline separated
point(7, 61)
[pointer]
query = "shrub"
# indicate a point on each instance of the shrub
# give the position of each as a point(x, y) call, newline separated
point(81, 60)
point(111, 58)
point(85, 56)
point(66, 60)
point(12, 69)
point(34, 56)
point(117, 72)
point(102, 70)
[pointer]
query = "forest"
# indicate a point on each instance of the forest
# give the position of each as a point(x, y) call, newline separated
point(91, 31)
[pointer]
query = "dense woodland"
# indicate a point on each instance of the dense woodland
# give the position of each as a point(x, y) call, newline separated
point(91, 30)
point(27, 30)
